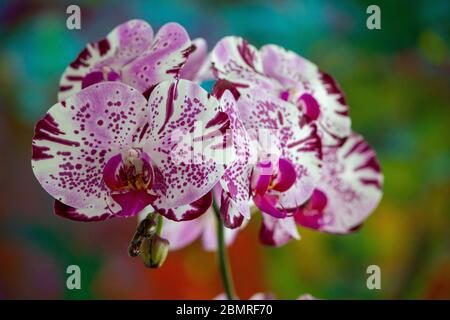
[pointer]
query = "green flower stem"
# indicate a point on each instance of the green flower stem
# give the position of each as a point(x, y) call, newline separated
point(159, 225)
point(225, 271)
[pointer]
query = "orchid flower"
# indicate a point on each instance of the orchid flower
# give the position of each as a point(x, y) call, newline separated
point(129, 54)
point(285, 94)
point(348, 191)
point(287, 76)
point(289, 156)
point(278, 161)
point(106, 151)
point(231, 193)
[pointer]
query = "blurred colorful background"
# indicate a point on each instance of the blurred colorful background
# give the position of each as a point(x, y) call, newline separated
point(397, 82)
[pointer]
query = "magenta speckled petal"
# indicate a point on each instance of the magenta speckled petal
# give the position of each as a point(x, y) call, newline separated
point(78, 136)
point(351, 181)
point(163, 61)
point(188, 140)
point(298, 141)
point(299, 76)
point(237, 177)
point(123, 44)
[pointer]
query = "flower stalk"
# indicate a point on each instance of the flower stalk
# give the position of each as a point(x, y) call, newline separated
point(224, 266)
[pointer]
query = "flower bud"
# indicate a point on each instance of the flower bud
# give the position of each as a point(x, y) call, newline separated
point(154, 251)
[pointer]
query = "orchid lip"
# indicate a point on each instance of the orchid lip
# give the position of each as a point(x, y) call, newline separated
point(130, 170)
point(269, 179)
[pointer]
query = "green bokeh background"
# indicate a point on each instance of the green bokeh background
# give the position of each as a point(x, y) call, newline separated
point(397, 84)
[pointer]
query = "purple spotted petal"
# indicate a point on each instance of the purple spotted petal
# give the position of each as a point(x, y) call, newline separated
point(237, 177)
point(195, 61)
point(188, 140)
point(350, 188)
point(277, 232)
point(299, 76)
point(235, 60)
point(299, 142)
point(288, 76)
point(182, 233)
point(188, 211)
point(103, 60)
point(75, 139)
point(163, 61)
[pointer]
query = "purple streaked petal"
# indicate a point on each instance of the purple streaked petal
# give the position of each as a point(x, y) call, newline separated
point(351, 181)
point(235, 60)
point(195, 61)
point(123, 44)
point(181, 233)
point(163, 61)
point(304, 151)
point(277, 232)
point(231, 211)
point(92, 78)
point(334, 123)
point(85, 215)
point(188, 211)
point(78, 136)
point(188, 141)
